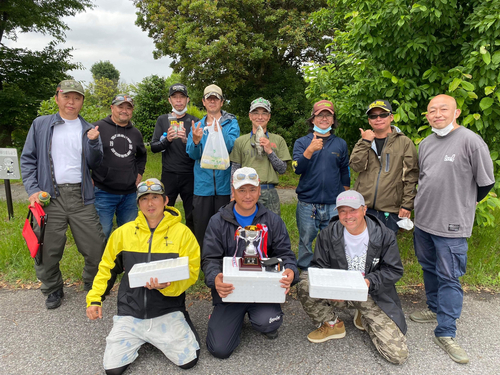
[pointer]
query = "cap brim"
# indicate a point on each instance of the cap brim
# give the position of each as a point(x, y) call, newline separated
point(71, 90)
point(206, 96)
point(323, 109)
point(385, 109)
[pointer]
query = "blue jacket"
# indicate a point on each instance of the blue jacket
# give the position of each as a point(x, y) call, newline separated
point(324, 176)
point(208, 182)
point(36, 160)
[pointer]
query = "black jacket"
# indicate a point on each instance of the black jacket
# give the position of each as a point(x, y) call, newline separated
point(383, 263)
point(219, 242)
point(124, 157)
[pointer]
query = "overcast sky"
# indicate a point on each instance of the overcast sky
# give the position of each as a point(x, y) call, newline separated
point(108, 32)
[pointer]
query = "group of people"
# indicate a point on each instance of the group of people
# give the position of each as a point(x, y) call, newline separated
point(93, 172)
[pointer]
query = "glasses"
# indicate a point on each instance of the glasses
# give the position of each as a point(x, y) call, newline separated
point(154, 187)
point(251, 176)
point(324, 116)
point(381, 115)
point(123, 98)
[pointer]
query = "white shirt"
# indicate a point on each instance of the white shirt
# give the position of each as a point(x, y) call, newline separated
point(356, 247)
point(67, 152)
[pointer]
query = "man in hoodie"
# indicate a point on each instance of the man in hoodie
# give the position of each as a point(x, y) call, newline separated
point(122, 165)
point(155, 313)
point(359, 242)
point(59, 152)
point(226, 321)
point(387, 163)
point(212, 188)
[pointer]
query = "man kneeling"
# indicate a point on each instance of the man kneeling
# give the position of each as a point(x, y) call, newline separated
point(354, 240)
point(226, 321)
point(155, 313)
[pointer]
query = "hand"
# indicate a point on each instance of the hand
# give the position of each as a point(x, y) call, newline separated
point(181, 133)
point(368, 135)
point(170, 134)
point(404, 213)
point(224, 289)
point(367, 283)
point(287, 279)
point(154, 284)
point(93, 133)
point(94, 312)
point(138, 179)
point(197, 133)
point(266, 144)
point(34, 198)
point(316, 145)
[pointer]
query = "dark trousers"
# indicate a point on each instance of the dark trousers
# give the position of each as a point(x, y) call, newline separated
point(203, 209)
point(389, 221)
point(183, 185)
point(226, 322)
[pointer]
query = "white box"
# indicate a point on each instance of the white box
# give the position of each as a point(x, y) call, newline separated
point(252, 286)
point(165, 270)
point(337, 284)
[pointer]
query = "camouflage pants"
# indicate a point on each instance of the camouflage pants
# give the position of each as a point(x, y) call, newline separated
point(271, 200)
point(384, 333)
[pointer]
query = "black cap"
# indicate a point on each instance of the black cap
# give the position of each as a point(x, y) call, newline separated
point(379, 103)
point(178, 87)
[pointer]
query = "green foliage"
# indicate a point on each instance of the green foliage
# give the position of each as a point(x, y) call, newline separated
point(101, 92)
point(104, 69)
point(89, 112)
point(407, 52)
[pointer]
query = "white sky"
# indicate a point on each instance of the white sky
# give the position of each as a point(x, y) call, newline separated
point(108, 32)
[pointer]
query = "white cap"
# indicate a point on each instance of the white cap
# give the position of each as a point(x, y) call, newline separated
point(245, 176)
point(350, 198)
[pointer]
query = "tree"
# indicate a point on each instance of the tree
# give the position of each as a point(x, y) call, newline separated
point(27, 77)
point(407, 52)
point(250, 48)
point(101, 92)
point(104, 69)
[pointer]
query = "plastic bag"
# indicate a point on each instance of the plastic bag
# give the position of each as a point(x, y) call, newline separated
point(215, 155)
point(405, 223)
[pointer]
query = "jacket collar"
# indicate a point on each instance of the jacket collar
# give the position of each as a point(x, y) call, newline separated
point(226, 212)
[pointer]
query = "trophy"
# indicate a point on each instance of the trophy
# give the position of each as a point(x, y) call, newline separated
point(251, 258)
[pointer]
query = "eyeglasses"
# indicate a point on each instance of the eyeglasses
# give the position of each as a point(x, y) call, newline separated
point(324, 116)
point(154, 187)
point(123, 98)
point(242, 176)
point(381, 115)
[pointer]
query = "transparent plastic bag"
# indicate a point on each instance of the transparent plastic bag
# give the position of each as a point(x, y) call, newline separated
point(215, 155)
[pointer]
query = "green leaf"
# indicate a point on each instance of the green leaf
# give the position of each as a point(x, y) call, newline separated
point(397, 117)
point(389, 93)
point(467, 86)
point(454, 84)
point(468, 119)
point(494, 155)
point(496, 58)
point(386, 74)
point(489, 89)
point(394, 80)
point(487, 58)
point(472, 95)
point(423, 127)
point(483, 50)
point(486, 103)
point(476, 116)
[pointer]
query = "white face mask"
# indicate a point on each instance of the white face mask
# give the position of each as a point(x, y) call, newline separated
point(444, 131)
point(179, 113)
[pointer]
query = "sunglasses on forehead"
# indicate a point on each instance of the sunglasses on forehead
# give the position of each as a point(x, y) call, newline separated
point(144, 188)
point(381, 115)
point(123, 98)
point(242, 176)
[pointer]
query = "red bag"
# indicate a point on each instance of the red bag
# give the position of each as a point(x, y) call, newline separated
point(34, 240)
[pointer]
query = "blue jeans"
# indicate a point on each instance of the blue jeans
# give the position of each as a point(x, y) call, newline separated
point(443, 261)
point(311, 218)
point(107, 204)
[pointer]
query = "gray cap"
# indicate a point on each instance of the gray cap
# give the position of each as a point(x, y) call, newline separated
point(350, 198)
point(150, 186)
point(260, 103)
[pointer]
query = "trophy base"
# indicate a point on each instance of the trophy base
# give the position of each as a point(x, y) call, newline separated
point(250, 264)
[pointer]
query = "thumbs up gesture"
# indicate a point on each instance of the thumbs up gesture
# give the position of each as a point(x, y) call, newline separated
point(367, 135)
point(316, 144)
point(93, 133)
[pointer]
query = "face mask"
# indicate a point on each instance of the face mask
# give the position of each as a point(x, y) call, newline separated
point(445, 131)
point(180, 113)
point(321, 131)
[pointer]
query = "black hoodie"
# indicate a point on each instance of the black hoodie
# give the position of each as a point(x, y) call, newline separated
point(124, 157)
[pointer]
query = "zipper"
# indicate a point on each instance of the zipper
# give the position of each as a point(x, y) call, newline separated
point(146, 290)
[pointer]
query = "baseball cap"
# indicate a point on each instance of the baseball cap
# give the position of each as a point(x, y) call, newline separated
point(260, 103)
point(122, 98)
point(245, 176)
point(323, 105)
point(213, 90)
point(380, 103)
point(150, 186)
point(178, 87)
point(70, 85)
point(350, 198)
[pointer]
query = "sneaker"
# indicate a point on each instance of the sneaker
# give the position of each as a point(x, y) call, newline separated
point(424, 316)
point(54, 299)
point(450, 346)
point(357, 320)
point(326, 332)
point(271, 335)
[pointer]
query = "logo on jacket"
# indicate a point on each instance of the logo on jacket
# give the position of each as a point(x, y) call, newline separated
point(449, 158)
point(375, 261)
point(112, 144)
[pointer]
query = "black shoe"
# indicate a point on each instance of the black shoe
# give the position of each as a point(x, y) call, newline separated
point(54, 299)
point(87, 287)
point(271, 335)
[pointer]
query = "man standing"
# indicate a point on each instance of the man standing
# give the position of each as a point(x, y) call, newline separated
point(387, 163)
point(360, 242)
point(456, 172)
point(177, 167)
point(226, 321)
point(267, 154)
point(57, 157)
point(211, 187)
point(122, 167)
point(155, 313)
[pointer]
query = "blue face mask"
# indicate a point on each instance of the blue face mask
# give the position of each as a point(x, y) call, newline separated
point(321, 131)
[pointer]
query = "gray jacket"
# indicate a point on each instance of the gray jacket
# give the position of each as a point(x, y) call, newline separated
point(37, 168)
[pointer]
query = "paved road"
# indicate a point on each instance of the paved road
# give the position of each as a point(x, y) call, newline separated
point(63, 341)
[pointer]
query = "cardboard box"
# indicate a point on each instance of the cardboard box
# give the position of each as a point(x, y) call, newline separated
point(252, 286)
point(165, 270)
point(337, 284)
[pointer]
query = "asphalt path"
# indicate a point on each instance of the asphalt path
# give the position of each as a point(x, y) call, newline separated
point(63, 341)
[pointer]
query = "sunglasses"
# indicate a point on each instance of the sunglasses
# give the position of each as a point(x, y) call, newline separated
point(381, 115)
point(144, 188)
point(123, 98)
point(242, 176)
